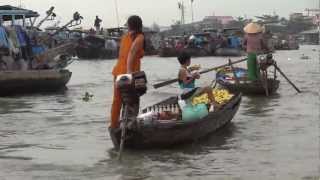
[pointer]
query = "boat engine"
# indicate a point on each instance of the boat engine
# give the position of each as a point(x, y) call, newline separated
point(132, 86)
point(265, 61)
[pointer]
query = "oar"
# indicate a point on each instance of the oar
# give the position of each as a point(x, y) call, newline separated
point(156, 86)
point(63, 63)
point(295, 87)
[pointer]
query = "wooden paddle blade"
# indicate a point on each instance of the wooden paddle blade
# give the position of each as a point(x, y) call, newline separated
point(293, 85)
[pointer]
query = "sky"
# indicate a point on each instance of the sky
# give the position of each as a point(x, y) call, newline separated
point(162, 12)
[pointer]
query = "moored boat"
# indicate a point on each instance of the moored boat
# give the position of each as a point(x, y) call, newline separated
point(194, 52)
point(229, 52)
point(165, 133)
point(27, 66)
point(168, 52)
point(32, 81)
point(94, 47)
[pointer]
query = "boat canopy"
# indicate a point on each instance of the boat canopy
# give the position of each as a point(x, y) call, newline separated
point(9, 13)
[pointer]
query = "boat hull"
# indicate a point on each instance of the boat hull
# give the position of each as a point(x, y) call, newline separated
point(22, 82)
point(254, 88)
point(168, 52)
point(245, 86)
point(194, 52)
point(229, 52)
point(178, 133)
point(95, 53)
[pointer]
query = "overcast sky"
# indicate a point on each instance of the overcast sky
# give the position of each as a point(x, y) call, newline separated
point(163, 12)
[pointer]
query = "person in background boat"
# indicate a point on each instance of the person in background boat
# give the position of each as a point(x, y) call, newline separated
point(234, 41)
point(4, 43)
point(39, 56)
point(130, 54)
point(254, 44)
point(186, 79)
point(180, 45)
point(97, 22)
point(111, 46)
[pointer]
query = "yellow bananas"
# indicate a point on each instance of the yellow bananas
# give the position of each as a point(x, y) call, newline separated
point(221, 96)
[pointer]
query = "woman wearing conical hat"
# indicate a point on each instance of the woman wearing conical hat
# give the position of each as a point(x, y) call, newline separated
point(254, 44)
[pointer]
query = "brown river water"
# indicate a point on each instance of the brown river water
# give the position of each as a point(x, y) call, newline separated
point(60, 136)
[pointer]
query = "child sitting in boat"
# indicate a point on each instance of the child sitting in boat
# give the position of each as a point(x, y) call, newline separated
point(186, 79)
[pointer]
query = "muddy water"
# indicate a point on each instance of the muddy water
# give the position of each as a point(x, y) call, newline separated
point(60, 136)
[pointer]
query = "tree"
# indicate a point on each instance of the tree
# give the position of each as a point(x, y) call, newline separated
point(266, 19)
point(239, 22)
point(284, 21)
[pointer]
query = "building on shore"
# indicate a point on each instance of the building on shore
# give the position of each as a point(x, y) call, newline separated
point(310, 36)
point(208, 22)
point(224, 20)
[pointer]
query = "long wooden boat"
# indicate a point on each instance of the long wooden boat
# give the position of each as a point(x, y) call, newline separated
point(229, 52)
point(168, 52)
point(227, 80)
point(90, 53)
point(33, 81)
point(173, 132)
point(93, 47)
point(194, 52)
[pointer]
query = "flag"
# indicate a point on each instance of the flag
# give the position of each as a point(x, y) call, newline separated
point(179, 5)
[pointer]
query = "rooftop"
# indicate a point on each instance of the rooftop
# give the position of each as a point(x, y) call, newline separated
point(8, 11)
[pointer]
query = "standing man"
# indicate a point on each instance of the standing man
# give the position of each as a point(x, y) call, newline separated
point(97, 22)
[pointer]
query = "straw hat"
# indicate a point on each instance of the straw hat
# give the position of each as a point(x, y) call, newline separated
point(252, 28)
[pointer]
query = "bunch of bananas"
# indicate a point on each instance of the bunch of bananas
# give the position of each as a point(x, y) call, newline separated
point(221, 96)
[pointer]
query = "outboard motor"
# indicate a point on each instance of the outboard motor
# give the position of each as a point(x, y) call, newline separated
point(132, 86)
point(265, 61)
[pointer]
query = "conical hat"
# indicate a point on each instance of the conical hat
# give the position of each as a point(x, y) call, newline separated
point(252, 28)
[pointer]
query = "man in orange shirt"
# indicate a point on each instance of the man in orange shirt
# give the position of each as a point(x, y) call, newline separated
point(130, 53)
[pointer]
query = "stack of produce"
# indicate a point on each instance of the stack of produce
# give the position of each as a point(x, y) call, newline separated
point(221, 96)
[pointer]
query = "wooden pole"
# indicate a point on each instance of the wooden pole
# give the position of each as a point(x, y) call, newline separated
point(117, 12)
point(49, 13)
point(294, 86)
point(265, 81)
point(158, 85)
point(123, 127)
point(192, 14)
point(275, 73)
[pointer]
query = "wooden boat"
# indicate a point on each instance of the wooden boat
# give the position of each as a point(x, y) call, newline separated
point(194, 52)
point(197, 52)
point(228, 52)
point(33, 81)
point(304, 57)
point(287, 45)
point(173, 132)
point(93, 47)
point(226, 79)
point(95, 53)
point(168, 52)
